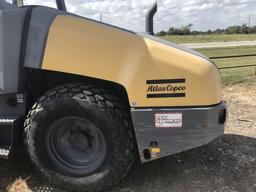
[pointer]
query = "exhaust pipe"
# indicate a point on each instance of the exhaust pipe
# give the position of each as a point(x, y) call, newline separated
point(150, 19)
point(61, 5)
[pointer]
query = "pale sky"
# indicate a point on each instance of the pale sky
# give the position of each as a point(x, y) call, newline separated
point(130, 14)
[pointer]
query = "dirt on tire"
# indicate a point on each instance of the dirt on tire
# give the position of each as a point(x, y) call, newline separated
point(227, 164)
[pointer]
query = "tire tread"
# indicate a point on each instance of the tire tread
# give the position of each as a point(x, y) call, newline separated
point(104, 100)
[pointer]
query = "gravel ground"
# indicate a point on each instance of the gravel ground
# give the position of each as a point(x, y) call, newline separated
point(228, 164)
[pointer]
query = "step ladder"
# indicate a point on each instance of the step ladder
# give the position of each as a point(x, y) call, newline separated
point(8, 127)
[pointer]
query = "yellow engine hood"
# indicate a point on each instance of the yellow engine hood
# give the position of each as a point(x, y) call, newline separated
point(153, 72)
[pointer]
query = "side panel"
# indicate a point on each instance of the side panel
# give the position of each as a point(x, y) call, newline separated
point(39, 22)
point(198, 126)
point(83, 47)
point(11, 26)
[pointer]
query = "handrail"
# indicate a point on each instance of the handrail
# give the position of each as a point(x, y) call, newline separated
point(233, 56)
point(238, 66)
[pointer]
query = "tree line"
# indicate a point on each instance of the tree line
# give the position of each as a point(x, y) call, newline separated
point(186, 30)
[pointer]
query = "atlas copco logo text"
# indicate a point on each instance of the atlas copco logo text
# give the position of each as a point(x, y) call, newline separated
point(166, 88)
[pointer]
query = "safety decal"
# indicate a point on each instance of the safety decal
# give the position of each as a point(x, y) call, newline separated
point(168, 120)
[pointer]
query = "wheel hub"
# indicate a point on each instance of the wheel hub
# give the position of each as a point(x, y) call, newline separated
point(77, 144)
point(79, 141)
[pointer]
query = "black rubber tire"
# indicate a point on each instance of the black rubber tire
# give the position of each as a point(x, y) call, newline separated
point(100, 107)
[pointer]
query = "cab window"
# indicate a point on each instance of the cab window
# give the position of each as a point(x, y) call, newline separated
point(9, 1)
point(48, 3)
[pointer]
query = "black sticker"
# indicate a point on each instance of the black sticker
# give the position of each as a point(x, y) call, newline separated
point(166, 88)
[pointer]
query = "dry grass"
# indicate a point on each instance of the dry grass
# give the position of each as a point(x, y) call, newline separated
point(19, 185)
point(241, 99)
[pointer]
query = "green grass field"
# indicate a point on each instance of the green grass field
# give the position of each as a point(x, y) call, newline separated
point(210, 38)
point(230, 76)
